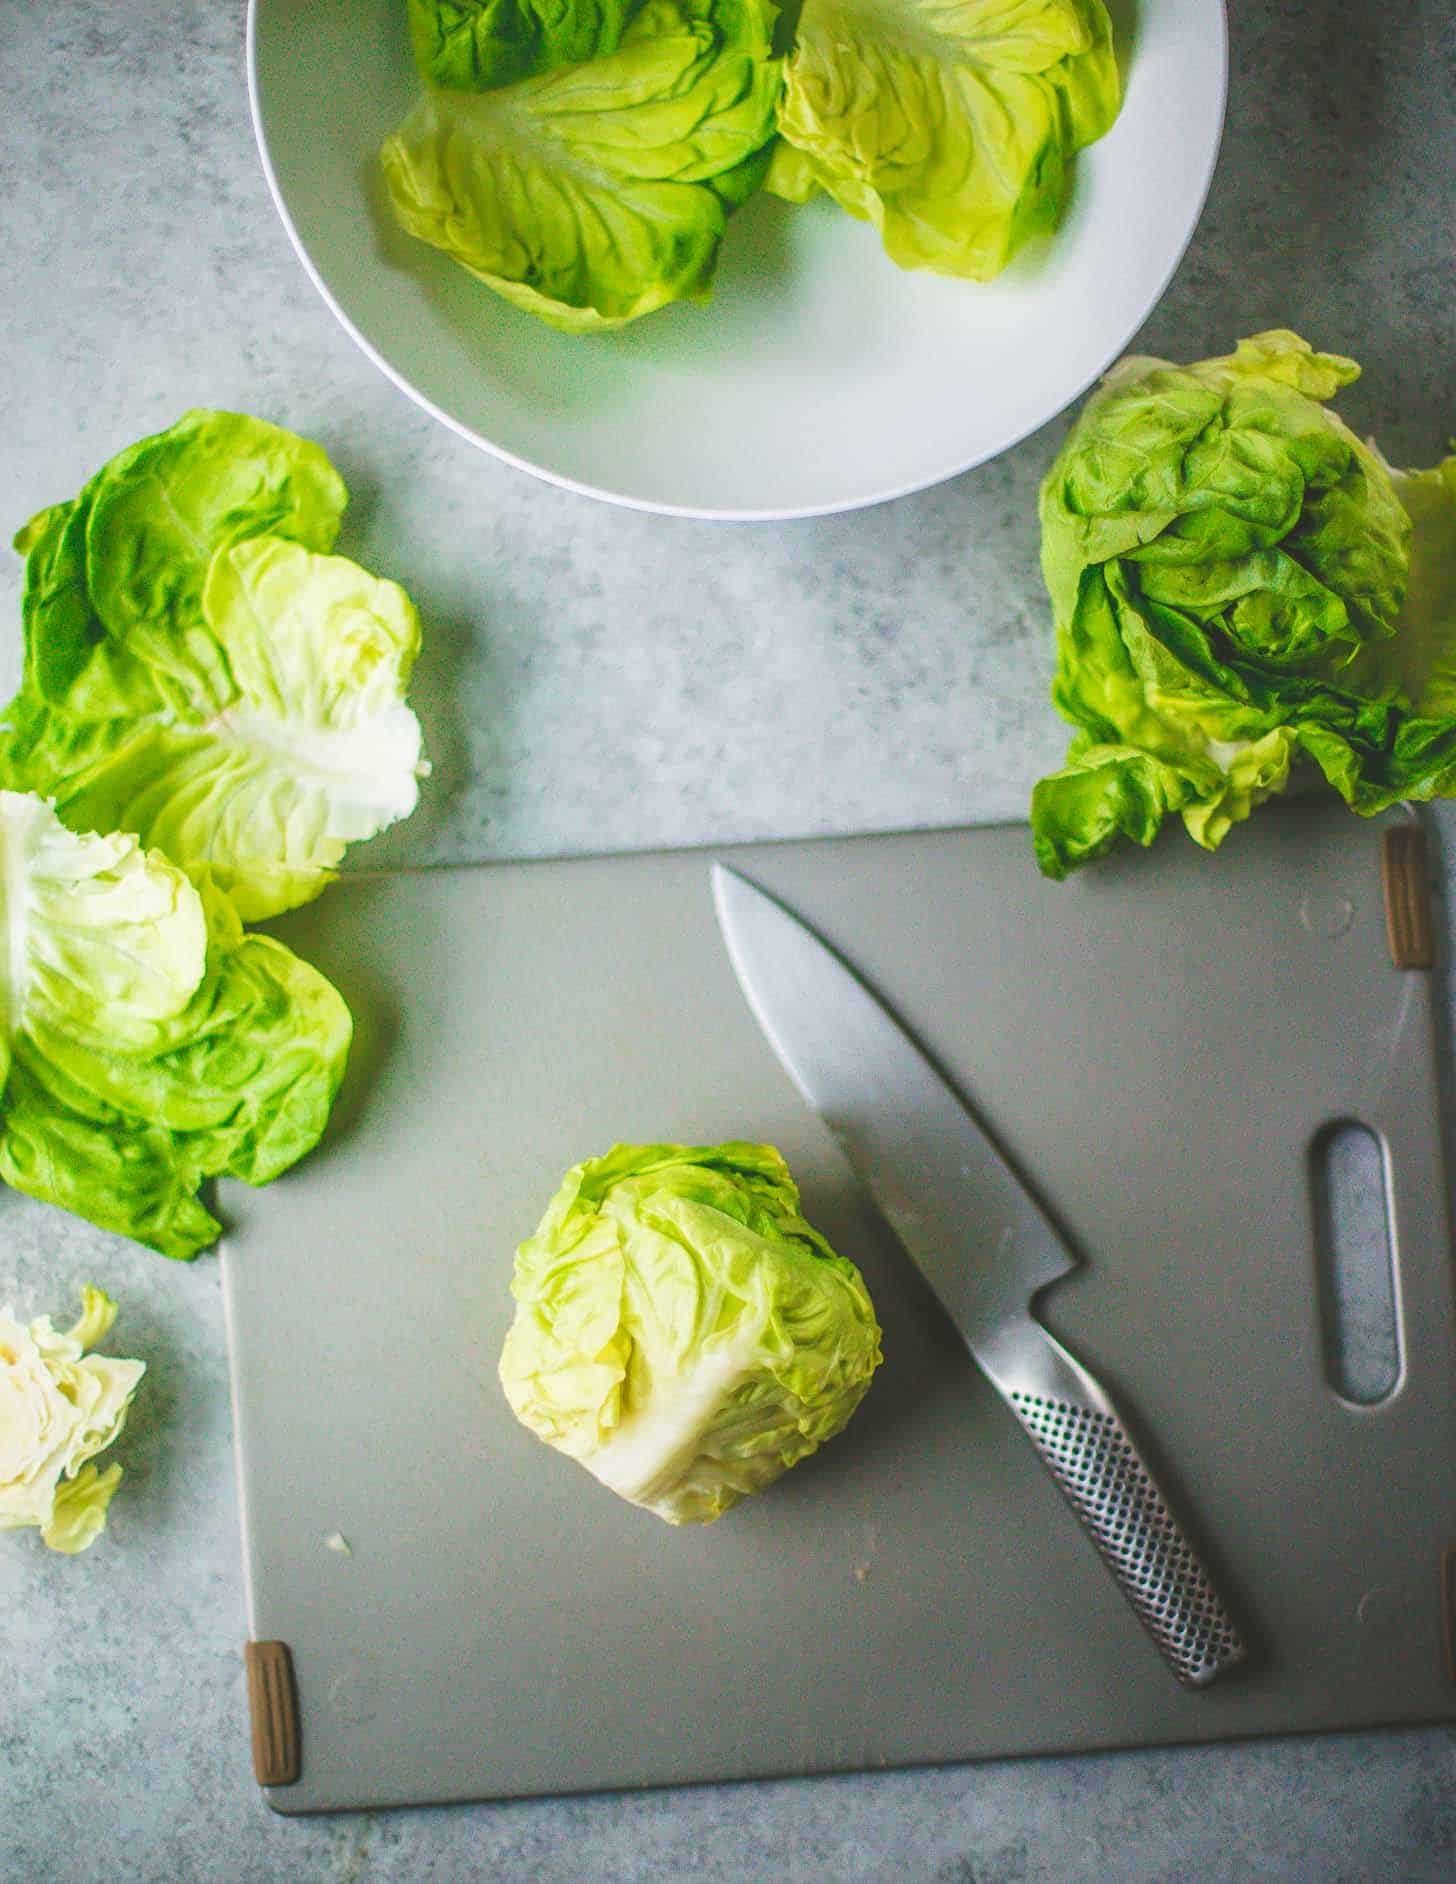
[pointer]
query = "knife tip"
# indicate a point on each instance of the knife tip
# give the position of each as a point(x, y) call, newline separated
point(733, 894)
point(725, 879)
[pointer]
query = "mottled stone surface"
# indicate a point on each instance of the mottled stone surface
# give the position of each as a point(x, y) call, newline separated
point(599, 679)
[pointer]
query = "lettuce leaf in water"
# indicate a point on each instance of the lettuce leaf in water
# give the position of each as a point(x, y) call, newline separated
point(199, 672)
point(948, 124)
point(591, 194)
point(1239, 582)
point(147, 1043)
point(471, 45)
point(681, 1330)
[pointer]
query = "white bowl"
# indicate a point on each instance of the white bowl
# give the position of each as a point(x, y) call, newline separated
point(820, 377)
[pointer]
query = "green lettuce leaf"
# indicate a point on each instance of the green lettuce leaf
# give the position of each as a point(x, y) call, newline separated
point(148, 1043)
point(1419, 660)
point(947, 124)
point(1240, 584)
point(112, 603)
point(681, 1330)
point(592, 194)
point(200, 674)
point(790, 174)
point(102, 941)
point(472, 45)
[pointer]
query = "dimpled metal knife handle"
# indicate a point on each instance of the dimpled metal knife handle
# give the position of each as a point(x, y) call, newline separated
point(1075, 1427)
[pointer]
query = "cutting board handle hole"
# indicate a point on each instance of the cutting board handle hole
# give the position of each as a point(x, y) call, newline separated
point(1355, 1250)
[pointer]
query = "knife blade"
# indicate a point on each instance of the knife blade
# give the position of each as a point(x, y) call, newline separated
point(985, 1246)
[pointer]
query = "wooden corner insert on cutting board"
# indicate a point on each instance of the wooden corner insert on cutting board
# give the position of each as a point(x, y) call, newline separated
point(1448, 1609)
point(1407, 896)
point(273, 1706)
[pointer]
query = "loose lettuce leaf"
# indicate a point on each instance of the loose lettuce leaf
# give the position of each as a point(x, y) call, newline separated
point(149, 1044)
point(112, 603)
point(592, 194)
point(948, 124)
point(681, 1330)
point(1238, 583)
point(315, 749)
point(199, 673)
point(59, 1407)
point(102, 940)
point(472, 45)
point(78, 1511)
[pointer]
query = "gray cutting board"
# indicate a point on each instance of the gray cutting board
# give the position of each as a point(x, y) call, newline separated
point(1159, 1042)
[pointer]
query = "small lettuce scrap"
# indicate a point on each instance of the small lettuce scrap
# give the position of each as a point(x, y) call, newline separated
point(947, 124)
point(60, 1406)
point(472, 45)
point(200, 672)
point(592, 193)
point(681, 1330)
point(1240, 584)
point(147, 1043)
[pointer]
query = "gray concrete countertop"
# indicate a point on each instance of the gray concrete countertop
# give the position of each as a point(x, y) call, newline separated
point(597, 679)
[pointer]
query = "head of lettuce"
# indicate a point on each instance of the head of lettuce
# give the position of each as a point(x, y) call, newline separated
point(1240, 585)
point(681, 1330)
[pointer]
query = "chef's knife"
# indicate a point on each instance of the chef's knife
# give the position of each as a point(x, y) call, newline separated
point(984, 1245)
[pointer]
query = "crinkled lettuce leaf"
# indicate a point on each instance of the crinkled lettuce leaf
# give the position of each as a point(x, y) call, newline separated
point(947, 124)
point(681, 1330)
point(1418, 662)
point(201, 673)
point(1239, 584)
point(472, 45)
point(112, 602)
point(100, 938)
point(149, 1044)
point(594, 193)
